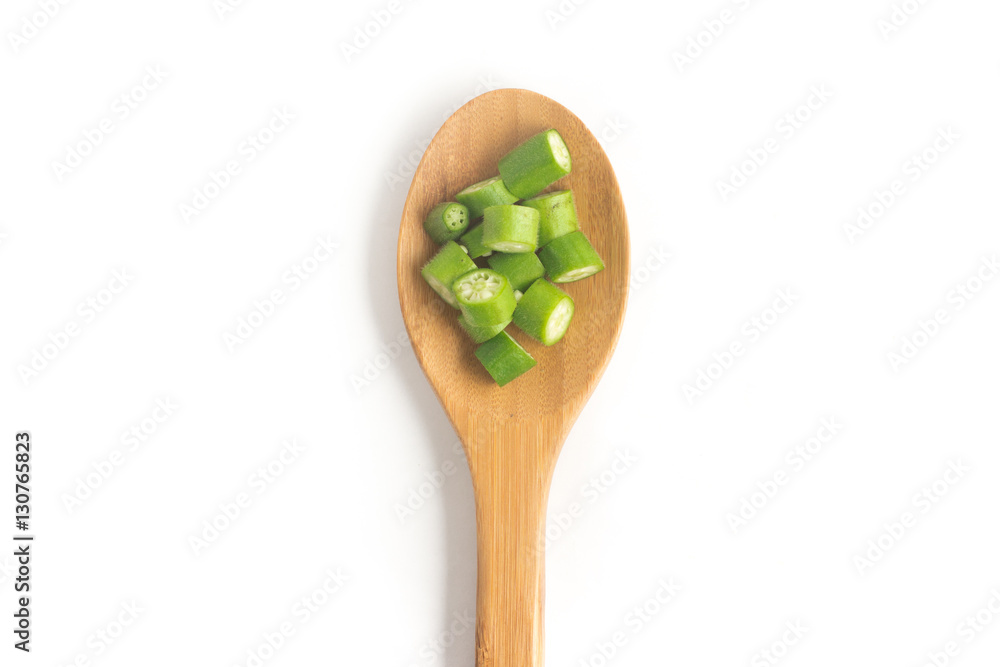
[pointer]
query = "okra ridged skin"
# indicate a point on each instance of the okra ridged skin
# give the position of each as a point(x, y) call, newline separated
point(473, 241)
point(446, 221)
point(504, 359)
point(521, 269)
point(480, 334)
point(544, 312)
point(535, 164)
point(445, 267)
point(485, 298)
point(510, 228)
point(482, 195)
point(570, 257)
point(556, 215)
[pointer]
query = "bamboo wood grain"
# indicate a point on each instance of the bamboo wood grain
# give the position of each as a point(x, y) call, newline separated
point(513, 434)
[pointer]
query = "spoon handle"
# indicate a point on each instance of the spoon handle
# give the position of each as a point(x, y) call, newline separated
point(511, 467)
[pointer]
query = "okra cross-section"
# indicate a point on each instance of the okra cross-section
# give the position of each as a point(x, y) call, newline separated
point(510, 228)
point(556, 215)
point(484, 297)
point(446, 221)
point(504, 359)
point(535, 164)
point(544, 312)
point(449, 263)
point(570, 257)
point(482, 195)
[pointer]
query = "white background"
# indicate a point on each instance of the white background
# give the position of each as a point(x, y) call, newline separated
point(340, 171)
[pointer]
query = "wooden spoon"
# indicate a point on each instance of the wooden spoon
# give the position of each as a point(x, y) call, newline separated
point(512, 434)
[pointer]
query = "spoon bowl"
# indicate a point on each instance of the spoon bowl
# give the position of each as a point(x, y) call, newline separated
point(512, 434)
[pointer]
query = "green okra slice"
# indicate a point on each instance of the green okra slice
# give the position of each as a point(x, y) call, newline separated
point(521, 269)
point(446, 221)
point(473, 242)
point(480, 334)
point(484, 297)
point(544, 312)
point(535, 164)
point(449, 263)
point(510, 228)
point(556, 215)
point(482, 195)
point(504, 359)
point(570, 257)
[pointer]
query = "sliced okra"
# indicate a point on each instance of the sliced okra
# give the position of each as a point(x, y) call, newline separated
point(484, 297)
point(504, 359)
point(556, 215)
point(446, 221)
point(544, 312)
point(482, 195)
point(535, 164)
point(510, 228)
point(521, 269)
point(473, 242)
point(480, 334)
point(570, 257)
point(449, 263)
